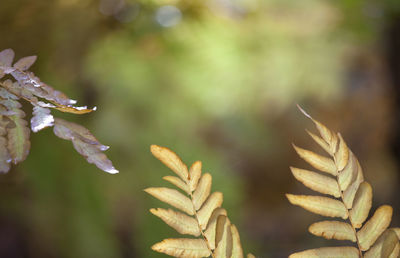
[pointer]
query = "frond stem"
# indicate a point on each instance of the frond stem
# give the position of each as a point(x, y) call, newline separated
point(347, 209)
point(198, 224)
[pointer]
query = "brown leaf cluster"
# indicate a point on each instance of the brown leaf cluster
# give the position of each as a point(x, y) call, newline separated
point(14, 130)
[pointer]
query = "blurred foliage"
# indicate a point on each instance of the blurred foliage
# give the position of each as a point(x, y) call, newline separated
point(219, 84)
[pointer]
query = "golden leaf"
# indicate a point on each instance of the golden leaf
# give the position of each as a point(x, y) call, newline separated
point(375, 226)
point(350, 193)
point(362, 205)
point(171, 160)
point(321, 142)
point(177, 182)
point(172, 197)
point(223, 238)
point(342, 154)
point(384, 245)
point(319, 162)
point(355, 201)
point(202, 191)
point(213, 202)
point(328, 252)
point(211, 227)
point(348, 174)
point(237, 250)
point(183, 247)
point(317, 182)
point(333, 230)
point(178, 221)
point(320, 205)
point(195, 173)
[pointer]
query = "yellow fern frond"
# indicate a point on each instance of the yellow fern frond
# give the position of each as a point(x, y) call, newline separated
point(351, 200)
point(203, 216)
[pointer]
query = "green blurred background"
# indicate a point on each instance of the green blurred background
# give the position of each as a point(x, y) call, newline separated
point(213, 80)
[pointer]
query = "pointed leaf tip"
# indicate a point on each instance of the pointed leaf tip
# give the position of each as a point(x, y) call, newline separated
point(24, 63)
point(303, 111)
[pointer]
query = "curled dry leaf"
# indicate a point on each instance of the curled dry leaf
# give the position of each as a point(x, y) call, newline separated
point(84, 143)
point(207, 220)
point(354, 204)
point(14, 128)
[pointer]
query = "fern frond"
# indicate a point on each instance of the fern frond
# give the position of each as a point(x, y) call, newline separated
point(199, 212)
point(14, 130)
point(351, 201)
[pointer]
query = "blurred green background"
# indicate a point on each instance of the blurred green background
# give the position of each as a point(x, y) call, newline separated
point(214, 80)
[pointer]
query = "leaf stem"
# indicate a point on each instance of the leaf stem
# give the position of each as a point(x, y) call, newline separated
point(347, 209)
point(198, 224)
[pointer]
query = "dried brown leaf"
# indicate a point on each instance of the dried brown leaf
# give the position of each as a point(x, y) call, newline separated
point(6, 57)
point(41, 119)
point(25, 62)
point(18, 143)
point(84, 143)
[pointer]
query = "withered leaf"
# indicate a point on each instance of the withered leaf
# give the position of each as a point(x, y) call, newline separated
point(25, 62)
point(18, 136)
point(5, 157)
point(6, 57)
point(41, 119)
point(85, 144)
